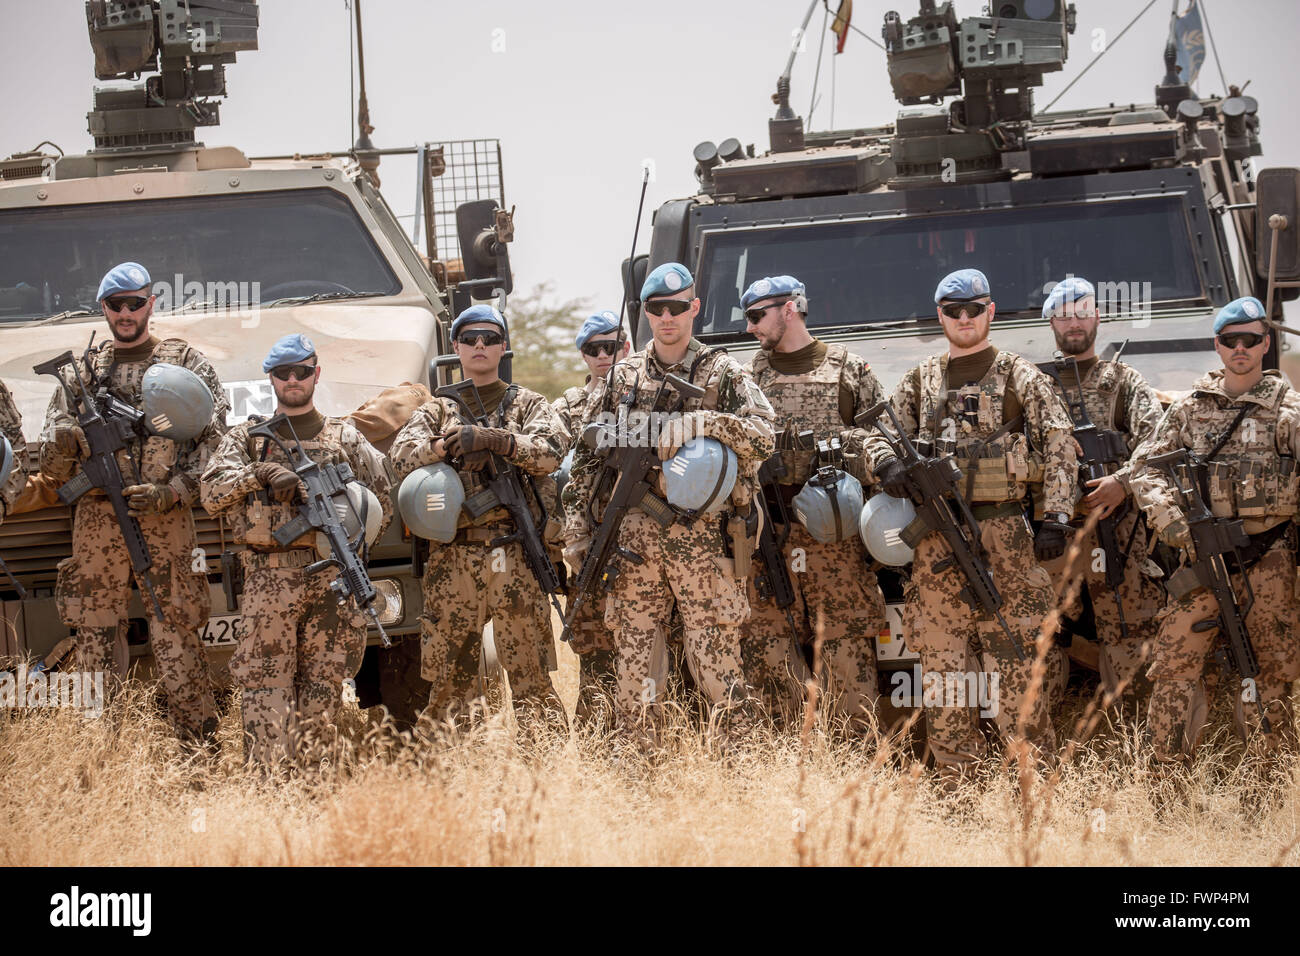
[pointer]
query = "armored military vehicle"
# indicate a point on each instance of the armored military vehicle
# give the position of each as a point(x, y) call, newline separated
point(241, 252)
point(1158, 205)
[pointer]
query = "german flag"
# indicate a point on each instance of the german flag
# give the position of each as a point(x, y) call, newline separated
point(840, 26)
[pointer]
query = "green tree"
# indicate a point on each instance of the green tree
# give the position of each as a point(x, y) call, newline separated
point(541, 336)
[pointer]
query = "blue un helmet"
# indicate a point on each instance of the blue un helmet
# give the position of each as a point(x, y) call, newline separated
point(358, 506)
point(175, 402)
point(829, 504)
point(881, 526)
point(699, 478)
point(6, 459)
point(430, 500)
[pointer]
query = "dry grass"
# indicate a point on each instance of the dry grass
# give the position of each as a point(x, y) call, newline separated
point(118, 790)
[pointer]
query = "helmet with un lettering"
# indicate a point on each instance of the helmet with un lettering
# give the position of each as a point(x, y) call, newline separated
point(430, 500)
point(881, 526)
point(561, 474)
point(828, 504)
point(176, 403)
point(6, 459)
point(699, 478)
point(361, 504)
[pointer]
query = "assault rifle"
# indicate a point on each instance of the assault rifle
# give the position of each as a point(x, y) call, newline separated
point(1102, 448)
point(505, 489)
point(325, 485)
point(1212, 540)
point(110, 425)
point(773, 581)
point(933, 484)
point(630, 470)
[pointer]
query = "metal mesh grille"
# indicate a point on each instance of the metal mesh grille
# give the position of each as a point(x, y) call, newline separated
point(473, 172)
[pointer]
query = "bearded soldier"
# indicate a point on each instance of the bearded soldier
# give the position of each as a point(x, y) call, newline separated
point(601, 344)
point(1122, 410)
point(1243, 423)
point(1005, 426)
point(297, 644)
point(471, 580)
point(816, 391)
point(679, 552)
point(94, 584)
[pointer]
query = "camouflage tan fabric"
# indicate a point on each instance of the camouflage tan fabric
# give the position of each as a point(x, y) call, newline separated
point(11, 425)
point(297, 644)
point(94, 583)
point(1117, 397)
point(833, 581)
point(1254, 478)
point(683, 562)
point(954, 639)
point(1004, 467)
point(830, 579)
point(467, 583)
point(591, 640)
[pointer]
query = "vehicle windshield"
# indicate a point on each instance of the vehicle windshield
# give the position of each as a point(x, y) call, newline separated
point(1138, 252)
point(224, 250)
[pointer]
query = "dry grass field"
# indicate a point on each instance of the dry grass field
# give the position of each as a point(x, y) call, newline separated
point(119, 790)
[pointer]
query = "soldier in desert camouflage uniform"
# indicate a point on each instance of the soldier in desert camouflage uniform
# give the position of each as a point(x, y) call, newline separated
point(974, 403)
point(818, 388)
point(1116, 398)
point(601, 344)
point(11, 425)
point(466, 582)
point(1247, 422)
point(94, 584)
point(685, 560)
point(298, 644)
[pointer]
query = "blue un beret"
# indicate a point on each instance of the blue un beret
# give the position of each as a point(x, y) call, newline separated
point(1246, 309)
point(666, 279)
point(962, 286)
point(288, 350)
point(769, 287)
point(127, 277)
point(597, 324)
point(1069, 289)
point(478, 313)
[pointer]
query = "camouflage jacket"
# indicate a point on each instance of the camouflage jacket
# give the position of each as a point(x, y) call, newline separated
point(11, 425)
point(998, 470)
point(1253, 476)
point(812, 401)
point(1118, 398)
point(161, 460)
point(541, 442)
point(571, 408)
point(230, 488)
point(733, 410)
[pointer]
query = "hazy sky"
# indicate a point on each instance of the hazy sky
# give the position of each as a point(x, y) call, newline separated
point(580, 92)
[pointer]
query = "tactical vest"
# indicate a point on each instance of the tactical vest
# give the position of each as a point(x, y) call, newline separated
point(155, 454)
point(1101, 388)
point(809, 401)
point(963, 423)
point(1252, 480)
point(262, 516)
point(475, 482)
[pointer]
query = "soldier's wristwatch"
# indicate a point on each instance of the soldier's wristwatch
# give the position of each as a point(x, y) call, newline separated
point(1057, 516)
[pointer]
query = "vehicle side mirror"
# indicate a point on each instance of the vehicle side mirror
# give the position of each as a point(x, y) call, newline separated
point(1277, 193)
point(634, 272)
point(484, 251)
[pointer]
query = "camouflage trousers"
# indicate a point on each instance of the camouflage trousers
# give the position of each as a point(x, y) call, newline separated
point(967, 646)
point(685, 562)
point(593, 642)
point(1122, 659)
point(831, 584)
point(1179, 703)
point(94, 588)
point(297, 647)
point(465, 586)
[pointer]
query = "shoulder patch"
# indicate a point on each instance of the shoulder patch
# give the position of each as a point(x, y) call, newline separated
point(756, 396)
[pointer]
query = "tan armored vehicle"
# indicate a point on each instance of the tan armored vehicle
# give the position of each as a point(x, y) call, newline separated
point(241, 252)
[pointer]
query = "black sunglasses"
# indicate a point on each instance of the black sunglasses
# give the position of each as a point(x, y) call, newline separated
point(603, 347)
point(300, 373)
point(132, 302)
point(1232, 340)
point(486, 336)
point(673, 306)
point(955, 310)
point(754, 316)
